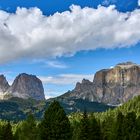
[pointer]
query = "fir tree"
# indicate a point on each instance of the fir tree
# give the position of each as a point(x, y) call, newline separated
point(120, 126)
point(84, 127)
point(9, 131)
point(27, 129)
point(138, 128)
point(6, 132)
point(129, 126)
point(94, 129)
point(55, 125)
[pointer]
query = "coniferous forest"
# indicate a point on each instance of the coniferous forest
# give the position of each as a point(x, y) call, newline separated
point(121, 123)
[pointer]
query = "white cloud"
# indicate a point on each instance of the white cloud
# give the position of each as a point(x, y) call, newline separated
point(111, 67)
point(65, 79)
point(48, 97)
point(29, 33)
point(139, 2)
point(51, 93)
point(50, 63)
point(56, 64)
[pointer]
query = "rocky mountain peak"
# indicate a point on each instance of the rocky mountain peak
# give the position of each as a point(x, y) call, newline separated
point(127, 65)
point(83, 85)
point(82, 90)
point(85, 81)
point(111, 86)
point(27, 86)
point(3, 85)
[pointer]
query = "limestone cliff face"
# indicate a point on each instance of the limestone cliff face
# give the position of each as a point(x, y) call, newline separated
point(27, 86)
point(84, 90)
point(24, 86)
point(118, 84)
point(111, 86)
point(3, 86)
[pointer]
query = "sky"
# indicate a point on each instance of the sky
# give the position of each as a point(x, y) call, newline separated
point(64, 41)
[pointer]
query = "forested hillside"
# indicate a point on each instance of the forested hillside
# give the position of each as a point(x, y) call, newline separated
point(17, 109)
point(122, 123)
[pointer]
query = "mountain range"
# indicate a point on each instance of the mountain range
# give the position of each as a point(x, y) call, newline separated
point(110, 87)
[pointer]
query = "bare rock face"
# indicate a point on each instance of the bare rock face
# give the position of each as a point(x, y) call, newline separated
point(111, 86)
point(27, 86)
point(3, 86)
point(119, 84)
point(84, 90)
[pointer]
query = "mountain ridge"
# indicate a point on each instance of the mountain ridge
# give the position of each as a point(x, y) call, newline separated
point(113, 86)
point(110, 86)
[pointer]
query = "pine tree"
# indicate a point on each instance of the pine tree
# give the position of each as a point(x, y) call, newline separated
point(6, 132)
point(84, 127)
point(27, 129)
point(129, 126)
point(94, 129)
point(55, 125)
point(119, 126)
point(138, 128)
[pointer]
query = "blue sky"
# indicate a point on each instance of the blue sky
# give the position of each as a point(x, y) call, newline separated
point(63, 45)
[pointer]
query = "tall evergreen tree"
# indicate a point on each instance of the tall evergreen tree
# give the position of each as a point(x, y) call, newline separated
point(138, 128)
point(6, 132)
point(129, 126)
point(107, 128)
point(84, 127)
point(94, 129)
point(119, 126)
point(27, 129)
point(55, 125)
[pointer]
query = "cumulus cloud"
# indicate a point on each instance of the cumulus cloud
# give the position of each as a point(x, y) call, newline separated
point(28, 33)
point(65, 79)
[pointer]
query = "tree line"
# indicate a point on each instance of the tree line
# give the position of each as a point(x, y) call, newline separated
point(56, 125)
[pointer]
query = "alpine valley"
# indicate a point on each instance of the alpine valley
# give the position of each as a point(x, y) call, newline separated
point(109, 88)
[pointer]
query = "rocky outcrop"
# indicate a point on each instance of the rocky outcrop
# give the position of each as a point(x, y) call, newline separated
point(111, 86)
point(27, 86)
point(118, 84)
point(83, 90)
point(3, 86)
point(24, 86)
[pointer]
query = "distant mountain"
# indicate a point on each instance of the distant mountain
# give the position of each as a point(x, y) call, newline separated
point(3, 86)
point(26, 95)
point(24, 86)
point(110, 86)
